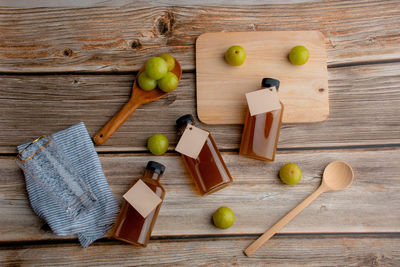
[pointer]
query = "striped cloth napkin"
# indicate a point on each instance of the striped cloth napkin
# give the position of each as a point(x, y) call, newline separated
point(77, 145)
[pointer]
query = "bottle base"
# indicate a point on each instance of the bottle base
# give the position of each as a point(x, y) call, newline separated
point(130, 242)
point(256, 157)
point(215, 189)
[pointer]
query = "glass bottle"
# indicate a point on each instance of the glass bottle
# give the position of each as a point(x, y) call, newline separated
point(208, 170)
point(130, 226)
point(261, 132)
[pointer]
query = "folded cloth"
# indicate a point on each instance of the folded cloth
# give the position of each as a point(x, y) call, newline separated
point(77, 146)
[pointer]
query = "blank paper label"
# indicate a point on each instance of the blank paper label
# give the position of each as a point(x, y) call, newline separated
point(263, 101)
point(142, 198)
point(192, 141)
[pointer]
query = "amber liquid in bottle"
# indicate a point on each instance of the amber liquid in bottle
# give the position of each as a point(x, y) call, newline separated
point(130, 226)
point(260, 135)
point(208, 170)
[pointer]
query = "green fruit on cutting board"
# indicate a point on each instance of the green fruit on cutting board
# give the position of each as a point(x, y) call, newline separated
point(235, 55)
point(223, 217)
point(169, 59)
point(168, 83)
point(299, 55)
point(158, 144)
point(156, 68)
point(290, 173)
point(146, 83)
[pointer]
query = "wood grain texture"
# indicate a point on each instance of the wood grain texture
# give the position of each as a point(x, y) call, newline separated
point(364, 100)
point(103, 39)
point(136, 3)
point(316, 250)
point(221, 88)
point(110, 38)
point(257, 196)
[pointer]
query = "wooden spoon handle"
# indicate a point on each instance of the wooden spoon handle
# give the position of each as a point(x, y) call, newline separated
point(282, 222)
point(116, 122)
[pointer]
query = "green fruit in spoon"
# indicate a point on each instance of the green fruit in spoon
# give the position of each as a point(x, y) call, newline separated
point(223, 217)
point(299, 55)
point(158, 144)
point(169, 59)
point(146, 83)
point(156, 68)
point(290, 173)
point(235, 55)
point(168, 83)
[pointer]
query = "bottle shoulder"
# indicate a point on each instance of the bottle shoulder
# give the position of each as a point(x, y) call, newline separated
point(152, 182)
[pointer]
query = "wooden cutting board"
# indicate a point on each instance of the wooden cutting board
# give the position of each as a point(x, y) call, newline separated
point(221, 87)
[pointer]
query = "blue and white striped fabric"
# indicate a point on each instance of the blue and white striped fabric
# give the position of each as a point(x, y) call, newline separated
point(77, 145)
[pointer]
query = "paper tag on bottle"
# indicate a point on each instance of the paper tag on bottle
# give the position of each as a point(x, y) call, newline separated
point(263, 101)
point(192, 141)
point(142, 198)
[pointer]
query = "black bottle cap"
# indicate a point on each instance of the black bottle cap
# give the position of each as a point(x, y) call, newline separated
point(185, 119)
point(156, 167)
point(270, 82)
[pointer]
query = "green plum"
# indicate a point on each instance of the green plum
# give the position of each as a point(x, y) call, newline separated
point(146, 83)
point(223, 218)
point(158, 144)
point(299, 55)
point(168, 83)
point(156, 68)
point(235, 55)
point(169, 59)
point(290, 173)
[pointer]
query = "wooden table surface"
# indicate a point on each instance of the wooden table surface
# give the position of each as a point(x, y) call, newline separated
point(63, 65)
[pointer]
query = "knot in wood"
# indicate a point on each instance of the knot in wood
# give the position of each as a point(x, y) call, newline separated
point(165, 24)
point(136, 44)
point(170, 98)
point(67, 52)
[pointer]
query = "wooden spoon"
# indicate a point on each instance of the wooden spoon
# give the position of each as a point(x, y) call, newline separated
point(337, 176)
point(138, 98)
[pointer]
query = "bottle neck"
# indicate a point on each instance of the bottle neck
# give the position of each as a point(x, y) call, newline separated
point(271, 88)
point(152, 175)
point(183, 127)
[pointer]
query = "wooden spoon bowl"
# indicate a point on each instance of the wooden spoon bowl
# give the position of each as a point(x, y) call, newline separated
point(138, 98)
point(337, 176)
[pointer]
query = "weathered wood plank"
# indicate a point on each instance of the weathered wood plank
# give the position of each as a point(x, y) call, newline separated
point(364, 101)
point(102, 3)
point(122, 38)
point(320, 250)
point(257, 196)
